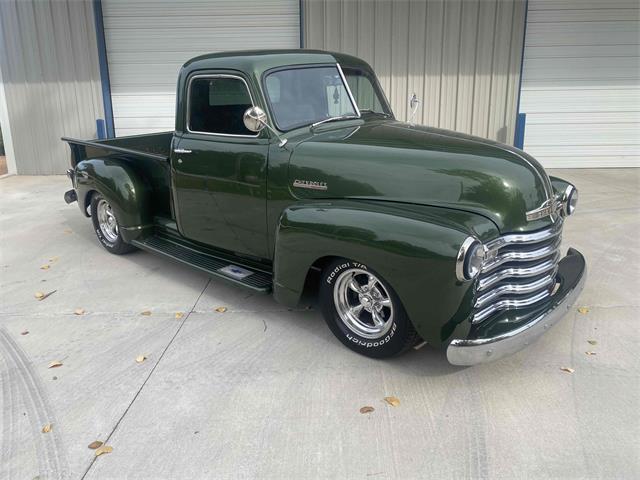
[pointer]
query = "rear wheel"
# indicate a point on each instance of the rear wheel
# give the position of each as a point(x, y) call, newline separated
point(363, 311)
point(106, 226)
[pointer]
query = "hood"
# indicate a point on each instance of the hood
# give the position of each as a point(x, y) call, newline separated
point(395, 161)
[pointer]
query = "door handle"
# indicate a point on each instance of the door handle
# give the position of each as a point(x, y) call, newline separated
point(181, 150)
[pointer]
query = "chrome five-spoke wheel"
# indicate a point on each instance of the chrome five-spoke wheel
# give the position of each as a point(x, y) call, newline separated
point(107, 221)
point(363, 303)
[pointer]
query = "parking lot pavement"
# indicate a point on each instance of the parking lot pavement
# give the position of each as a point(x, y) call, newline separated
point(261, 391)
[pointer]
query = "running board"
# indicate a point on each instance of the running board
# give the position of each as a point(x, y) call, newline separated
point(238, 273)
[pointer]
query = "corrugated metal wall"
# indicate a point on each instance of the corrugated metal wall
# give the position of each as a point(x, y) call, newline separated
point(581, 83)
point(148, 40)
point(462, 58)
point(51, 80)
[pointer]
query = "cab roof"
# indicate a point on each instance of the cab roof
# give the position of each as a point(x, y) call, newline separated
point(256, 62)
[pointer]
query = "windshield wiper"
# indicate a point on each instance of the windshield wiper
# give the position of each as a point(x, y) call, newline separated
point(335, 119)
point(368, 110)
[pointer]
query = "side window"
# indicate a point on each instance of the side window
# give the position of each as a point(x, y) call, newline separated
point(216, 105)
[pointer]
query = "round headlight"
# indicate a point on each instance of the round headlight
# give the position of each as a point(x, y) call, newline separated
point(470, 259)
point(571, 201)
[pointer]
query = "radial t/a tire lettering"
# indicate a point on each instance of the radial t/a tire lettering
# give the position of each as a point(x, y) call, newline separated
point(363, 311)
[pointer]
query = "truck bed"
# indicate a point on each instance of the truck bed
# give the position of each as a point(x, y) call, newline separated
point(153, 145)
point(147, 155)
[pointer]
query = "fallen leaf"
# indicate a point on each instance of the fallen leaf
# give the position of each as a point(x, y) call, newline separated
point(47, 428)
point(103, 449)
point(367, 409)
point(179, 315)
point(94, 445)
point(567, 369)
point(590, 353)
point(140, 358)
point(592, 342)
point(221, 309)
point(45, 267)
point(53, 259)
point(393, 401)
point(79, 311)
point(146, 313)
point(583, 310)
point(419, 345)
point(26, 332)
point(68, 230)
point(55, 364)
point(41, 296)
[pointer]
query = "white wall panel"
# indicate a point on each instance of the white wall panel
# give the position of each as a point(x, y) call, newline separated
point(581, 83)
point(149, 40)
point(462, 58)
point(50, 80)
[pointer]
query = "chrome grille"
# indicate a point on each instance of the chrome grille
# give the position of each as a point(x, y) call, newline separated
point(520, 271)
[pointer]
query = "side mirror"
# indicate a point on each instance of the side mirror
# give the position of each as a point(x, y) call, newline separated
point(254, 119)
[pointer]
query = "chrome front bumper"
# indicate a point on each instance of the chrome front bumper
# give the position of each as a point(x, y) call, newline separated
point(573, 273)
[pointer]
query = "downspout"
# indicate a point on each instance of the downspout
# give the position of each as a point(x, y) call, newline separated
point(521, 118)
point(104, 68)
point(301, 15)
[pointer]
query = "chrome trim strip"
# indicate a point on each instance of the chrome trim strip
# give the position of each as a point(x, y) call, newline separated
point(524, 255)
point(215, 75)
point(482, 350)
point(519, 272)
point(509, 304)
point(346, 86)
point(515, 288)
point(524, 238)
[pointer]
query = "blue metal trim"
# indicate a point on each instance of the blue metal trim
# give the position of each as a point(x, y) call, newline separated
point(301, 15)
point(524, 39)
point(101, 129)
point(518, 140)
point(104, 68)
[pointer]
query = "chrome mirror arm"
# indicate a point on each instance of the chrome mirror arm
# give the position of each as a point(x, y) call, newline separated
point(281, 141)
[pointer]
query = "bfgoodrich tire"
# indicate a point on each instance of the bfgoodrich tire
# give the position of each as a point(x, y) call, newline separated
point(363, 311)
point(106, 226)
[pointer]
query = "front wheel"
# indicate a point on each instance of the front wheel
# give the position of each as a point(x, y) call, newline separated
point(106, 226)
point(363, 311)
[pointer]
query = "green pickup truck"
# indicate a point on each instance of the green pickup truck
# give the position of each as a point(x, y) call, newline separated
point(288, 173)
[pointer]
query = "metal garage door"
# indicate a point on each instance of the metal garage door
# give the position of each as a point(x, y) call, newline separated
point(581, 83)
point(148, 40)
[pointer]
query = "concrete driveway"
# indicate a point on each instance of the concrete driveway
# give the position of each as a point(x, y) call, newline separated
point(261, 391)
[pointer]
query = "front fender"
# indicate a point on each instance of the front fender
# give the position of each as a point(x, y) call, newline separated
point(127, 193)
point(413, 247)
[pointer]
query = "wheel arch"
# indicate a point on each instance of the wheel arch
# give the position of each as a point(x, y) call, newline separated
point(126, 192)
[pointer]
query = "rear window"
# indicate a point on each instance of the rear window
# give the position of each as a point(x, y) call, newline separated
point(216, 105)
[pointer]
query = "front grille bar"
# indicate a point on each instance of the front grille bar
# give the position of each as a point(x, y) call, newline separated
point(521, 271)
point(517, 288)
point(524, 255)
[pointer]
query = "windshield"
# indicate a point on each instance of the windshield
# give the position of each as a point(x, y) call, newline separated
point(307, 95)
point(365, 91)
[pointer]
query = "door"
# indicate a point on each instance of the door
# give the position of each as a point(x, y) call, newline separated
point(219, 169)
